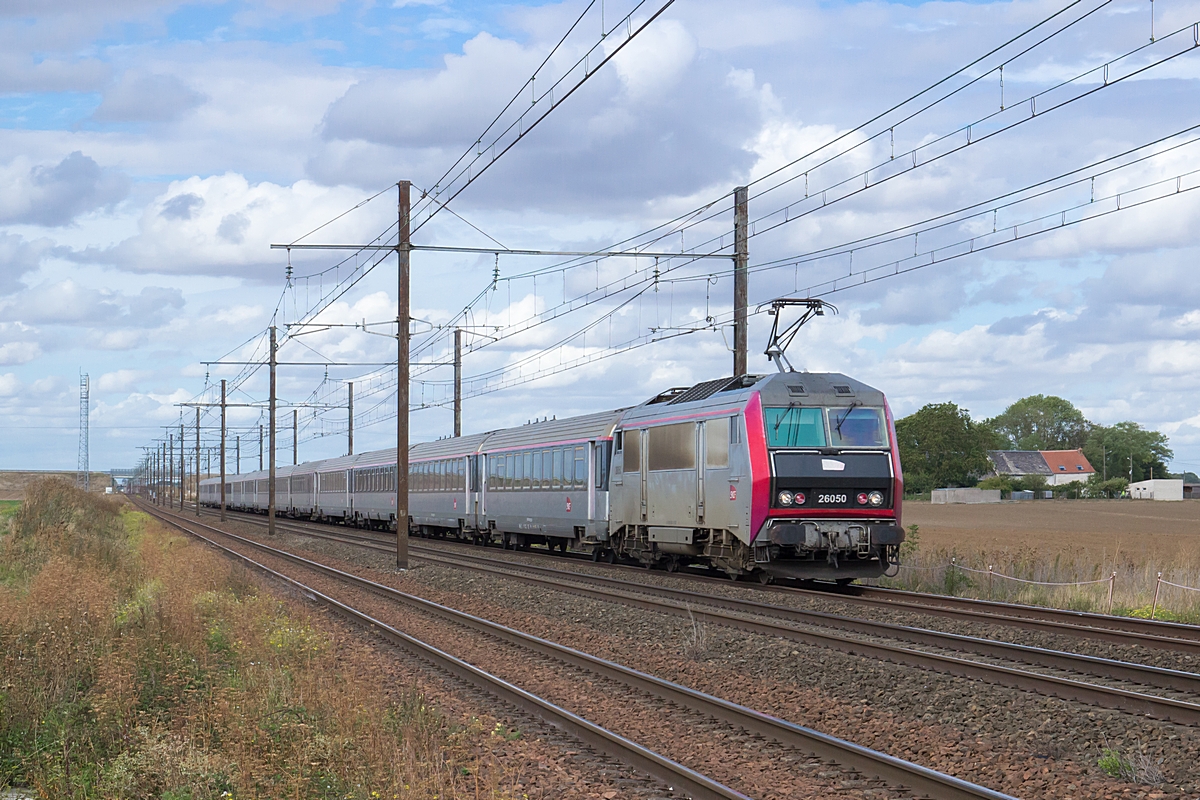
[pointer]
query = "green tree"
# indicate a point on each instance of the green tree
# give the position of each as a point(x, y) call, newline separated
point(1116, 450)
point(940, 446)
point(1042, 422)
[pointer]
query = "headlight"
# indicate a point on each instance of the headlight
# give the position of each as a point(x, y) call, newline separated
point(875, 498)
point(786, 498)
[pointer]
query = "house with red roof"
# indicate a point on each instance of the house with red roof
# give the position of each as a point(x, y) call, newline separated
point(1056, 466)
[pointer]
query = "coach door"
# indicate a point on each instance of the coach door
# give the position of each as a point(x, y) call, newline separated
point(474, 495)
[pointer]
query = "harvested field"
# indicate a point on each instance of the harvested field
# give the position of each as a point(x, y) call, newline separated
point(1143, 530)
point(1060, 542)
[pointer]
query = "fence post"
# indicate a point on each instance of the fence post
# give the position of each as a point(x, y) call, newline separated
point(1112, 582)
point(989, 581)
point(1157, 586)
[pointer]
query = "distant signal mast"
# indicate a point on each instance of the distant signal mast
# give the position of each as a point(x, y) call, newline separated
point(83, 475)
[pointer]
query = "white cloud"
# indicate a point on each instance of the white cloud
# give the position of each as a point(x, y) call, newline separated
point(123, 380)
point(147, 97)
point(224, 225)
point(19, 352)
point(55, 194)
point(10, 385)
point(654, 62)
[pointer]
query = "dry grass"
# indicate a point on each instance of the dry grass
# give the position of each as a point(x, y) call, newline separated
point(138, 664)
point(1060, 542)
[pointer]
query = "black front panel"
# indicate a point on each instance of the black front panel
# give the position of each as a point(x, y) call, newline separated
point(825, 485)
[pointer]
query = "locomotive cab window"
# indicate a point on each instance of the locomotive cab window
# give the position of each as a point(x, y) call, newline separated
point(793, 426)
point(857, 427)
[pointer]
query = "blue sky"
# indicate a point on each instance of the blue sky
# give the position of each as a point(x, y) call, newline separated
point(150, 152)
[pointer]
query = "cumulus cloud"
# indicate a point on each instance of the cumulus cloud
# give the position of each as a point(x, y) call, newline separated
point(147, 97)
point(69, 302)
point(122, 380)
point(224, 225)
point(53, 195)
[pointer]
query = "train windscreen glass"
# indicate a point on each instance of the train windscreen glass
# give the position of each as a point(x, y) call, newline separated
point(794, 426)
point(857, 427)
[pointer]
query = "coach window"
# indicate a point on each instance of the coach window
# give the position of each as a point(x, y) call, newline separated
point(580, 468)
point(509, 470)
point(537, 469)
point(716, 443)
point(633, 451)
point(557, 470)
point(527, 475)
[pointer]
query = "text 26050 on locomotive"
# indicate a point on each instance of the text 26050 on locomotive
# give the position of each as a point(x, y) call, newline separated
point(794, 474)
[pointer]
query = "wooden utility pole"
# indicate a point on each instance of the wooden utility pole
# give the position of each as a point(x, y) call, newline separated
point(271, 444)
point(740, 287)
point(223, 450)
point(458, 381)
point(197, 461)
point(350, 418)
point(403, 255)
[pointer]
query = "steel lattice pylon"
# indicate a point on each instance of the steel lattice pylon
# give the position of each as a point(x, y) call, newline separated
point(83, 473)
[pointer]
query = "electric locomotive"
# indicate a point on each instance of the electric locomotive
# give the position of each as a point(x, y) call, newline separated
point(794, 474)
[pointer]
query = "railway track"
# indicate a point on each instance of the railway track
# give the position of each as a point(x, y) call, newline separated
point(922, 780)
point(1155, 634)
point(1008, 664)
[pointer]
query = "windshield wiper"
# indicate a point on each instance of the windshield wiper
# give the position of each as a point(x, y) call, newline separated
point(784, 416)
point(842, 418)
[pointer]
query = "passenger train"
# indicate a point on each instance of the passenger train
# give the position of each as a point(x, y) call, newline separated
point(795, 475)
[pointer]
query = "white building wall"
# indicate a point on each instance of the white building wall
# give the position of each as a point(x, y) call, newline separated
point(968, 495)
point(1158, 489)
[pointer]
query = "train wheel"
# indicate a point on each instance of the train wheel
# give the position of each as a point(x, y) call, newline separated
point(595, 554)
point(611, 556)
point(765, 578)
point(844, 581)
point(672, 564)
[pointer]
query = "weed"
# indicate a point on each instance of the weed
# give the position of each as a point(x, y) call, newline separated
point(1138, 768)
point(1115, 765)
point(955, 581)
point(695, 642)
point(911, 543)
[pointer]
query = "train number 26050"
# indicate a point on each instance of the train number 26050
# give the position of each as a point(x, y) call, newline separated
point(831, 498)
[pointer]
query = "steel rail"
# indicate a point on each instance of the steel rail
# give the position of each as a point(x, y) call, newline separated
point(1119, 630)
point(879, 765)
point(672, 773)
point(1090, 619)
point(1159, 634)
point(1045, 657)
point(1178, 711)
